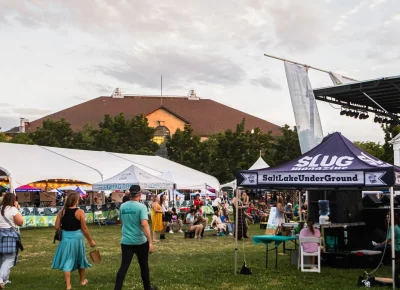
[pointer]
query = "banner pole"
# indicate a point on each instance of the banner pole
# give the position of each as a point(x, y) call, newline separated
point(305, 65)
point(393, 244)
point(236, 229)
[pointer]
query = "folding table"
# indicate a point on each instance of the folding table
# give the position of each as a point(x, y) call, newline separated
point(267, 239)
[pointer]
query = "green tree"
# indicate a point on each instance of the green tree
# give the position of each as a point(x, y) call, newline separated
point(187, 149)
point(84, 139)
point(285, 146)
point(375, 149)
point(22, 138)
point(54, 134)
point(390, 132)
point(3, 137)
point(132, 136)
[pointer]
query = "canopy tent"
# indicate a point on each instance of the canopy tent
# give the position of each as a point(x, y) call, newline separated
point(260, 163)
point(20, 163)
point(335, 163)
point(24, 164)
point(130, 176)
point(177, 193)
point(181, 180)
point(203, 193)
point(178, 170)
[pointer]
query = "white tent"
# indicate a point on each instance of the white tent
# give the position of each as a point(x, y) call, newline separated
point(24, 164)
point(164, 165)
point(177, 194)
point(181, 180)
point(259, 164)
point(203, 193)
point(133, 175)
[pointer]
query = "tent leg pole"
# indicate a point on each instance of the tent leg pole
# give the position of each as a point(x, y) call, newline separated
point(236, 229)
point(300, 206)
point(392, 235)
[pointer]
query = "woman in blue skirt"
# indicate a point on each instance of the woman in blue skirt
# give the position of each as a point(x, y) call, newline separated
point(70, 254)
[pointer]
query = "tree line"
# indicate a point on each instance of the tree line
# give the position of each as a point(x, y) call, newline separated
point(221, 155)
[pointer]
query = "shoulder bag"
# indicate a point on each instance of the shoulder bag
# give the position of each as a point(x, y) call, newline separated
point(58, 233)
point(19, 243)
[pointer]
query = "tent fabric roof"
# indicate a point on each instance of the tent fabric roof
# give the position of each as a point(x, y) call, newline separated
point(333, 163)
point(259, 164)
point(385, 91)
point(29, 163)
point(130, 176)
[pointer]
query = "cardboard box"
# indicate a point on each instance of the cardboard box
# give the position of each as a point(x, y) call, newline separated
point(117, 196)
point(26, 196)
point(48, 196)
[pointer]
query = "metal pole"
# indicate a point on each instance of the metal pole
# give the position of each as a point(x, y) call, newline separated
point(305, 65)
point(236, 229)
point(300, 205)
point(392, 237)
point(387, 113)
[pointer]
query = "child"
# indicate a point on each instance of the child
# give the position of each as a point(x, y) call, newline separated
point(175, 220)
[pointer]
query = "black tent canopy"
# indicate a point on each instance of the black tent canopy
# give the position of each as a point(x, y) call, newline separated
point(335, 163)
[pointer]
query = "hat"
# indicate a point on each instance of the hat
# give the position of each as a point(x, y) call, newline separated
point(134, 190)
point(289, 203)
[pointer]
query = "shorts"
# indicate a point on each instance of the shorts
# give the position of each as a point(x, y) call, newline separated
point(167, 217)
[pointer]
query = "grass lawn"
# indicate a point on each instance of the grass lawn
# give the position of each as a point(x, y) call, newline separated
point(178, 263)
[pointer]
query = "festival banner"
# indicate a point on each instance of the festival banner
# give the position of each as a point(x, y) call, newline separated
point(305, 108)
point(312, 178)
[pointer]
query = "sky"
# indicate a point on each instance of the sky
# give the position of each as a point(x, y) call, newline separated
point(57, 54)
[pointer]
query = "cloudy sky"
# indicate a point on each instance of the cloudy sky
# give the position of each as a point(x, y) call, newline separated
point(56, 54)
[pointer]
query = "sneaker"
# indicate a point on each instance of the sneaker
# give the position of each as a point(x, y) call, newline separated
point(154, 287)
point(230, 234)
point(314, 268)
point(171, 231)
point(180, 231)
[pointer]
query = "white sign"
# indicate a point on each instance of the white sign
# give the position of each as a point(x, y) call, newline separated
point(374, 178)
point(397, 178)
point(315, 178)
point(271, 218)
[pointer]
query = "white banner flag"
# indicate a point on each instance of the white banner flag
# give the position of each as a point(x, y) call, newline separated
point(339, 79)
point(305, 108)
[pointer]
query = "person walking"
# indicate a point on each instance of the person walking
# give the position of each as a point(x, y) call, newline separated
point(9, 220)
point(70, 254)
point(136, 239)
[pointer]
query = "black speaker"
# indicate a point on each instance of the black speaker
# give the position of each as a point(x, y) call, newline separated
point(385, 199)
point(370, 200)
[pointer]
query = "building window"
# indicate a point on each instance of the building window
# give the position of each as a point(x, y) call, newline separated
point(160, 134)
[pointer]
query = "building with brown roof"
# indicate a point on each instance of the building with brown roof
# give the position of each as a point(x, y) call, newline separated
point(166, 114)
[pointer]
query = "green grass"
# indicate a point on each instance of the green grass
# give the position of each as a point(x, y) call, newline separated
point(178, 263)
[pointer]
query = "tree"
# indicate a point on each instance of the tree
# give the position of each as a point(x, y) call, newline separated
point(375, 149)
point(132, 136)
point(390, 132)
point(3, 137)
point(22, 138)
point(54, 134)
point(84, 139)
point(285, 147)
point(187, 149)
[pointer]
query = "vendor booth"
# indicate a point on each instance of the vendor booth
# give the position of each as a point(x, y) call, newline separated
point(335, 166)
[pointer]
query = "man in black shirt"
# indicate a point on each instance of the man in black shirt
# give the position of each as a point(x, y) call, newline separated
point(126, 196)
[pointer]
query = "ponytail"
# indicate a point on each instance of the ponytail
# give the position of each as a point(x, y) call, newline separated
point(310, 225)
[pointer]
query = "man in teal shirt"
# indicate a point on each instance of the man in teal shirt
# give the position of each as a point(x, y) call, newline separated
point(135, 238)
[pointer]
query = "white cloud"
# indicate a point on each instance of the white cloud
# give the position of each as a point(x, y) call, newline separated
point(376, 3)
point(342, 23)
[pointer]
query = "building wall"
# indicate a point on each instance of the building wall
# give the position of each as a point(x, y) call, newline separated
point(168, 120)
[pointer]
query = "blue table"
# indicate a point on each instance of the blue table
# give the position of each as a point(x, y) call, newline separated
point(267, 239)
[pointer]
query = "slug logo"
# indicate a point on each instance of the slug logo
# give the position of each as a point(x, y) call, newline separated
point(325, 162)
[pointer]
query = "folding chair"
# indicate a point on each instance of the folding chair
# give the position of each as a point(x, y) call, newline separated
point(303, 254)
point(99, 218)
